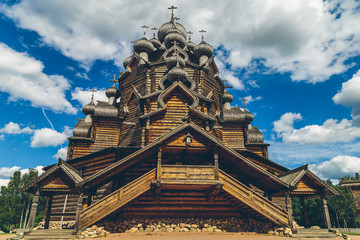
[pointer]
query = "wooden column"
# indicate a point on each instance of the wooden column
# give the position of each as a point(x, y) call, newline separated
point(48, 211)
point(289, 209)
point(158, 171)
point(33, 210)
point(326, 211)
point(78, 213)
point(216, 164)
point(304, 212)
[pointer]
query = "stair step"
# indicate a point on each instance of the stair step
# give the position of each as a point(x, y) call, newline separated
point(315, 233)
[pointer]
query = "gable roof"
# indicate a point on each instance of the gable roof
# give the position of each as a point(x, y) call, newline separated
point(272, 181)
point(293, 177)
point(62, 166)
point(351, 183)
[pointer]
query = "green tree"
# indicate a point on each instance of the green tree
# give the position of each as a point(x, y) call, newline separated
point(14, 204)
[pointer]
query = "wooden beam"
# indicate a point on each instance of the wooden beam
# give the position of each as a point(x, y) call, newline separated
point(289, 209)
point(48, 211)
point(326, 211)
point(33, 210)
point(78, 213)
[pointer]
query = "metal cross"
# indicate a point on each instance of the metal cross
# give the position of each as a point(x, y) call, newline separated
point(174, 19)
point(189, 32)
point(113, 80)
point(244, 100)
point(154, 29)
point(172, 11)
point(144, 27)
point(202, 34)
point(92, 95)
point(175, 43)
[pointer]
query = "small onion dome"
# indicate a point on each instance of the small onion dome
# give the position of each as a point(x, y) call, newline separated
point(227, 97)
point(248, 116)
point(127, 62)
point(166, 27)
point(155, 42)
point(203, 49)
point(89, 108)
point(177, 73)
point(254, 135)
point(143, 45)
point(190, 45)
point(112, 92)
point(173, 60)
point(174, 35)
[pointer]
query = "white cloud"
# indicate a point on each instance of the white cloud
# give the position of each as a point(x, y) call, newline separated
point(14, 128)
point(84, 96)
point(250, 99)
point(22, 77)
point(286, 123)
point(6, 172)
point(337, 167)
point(4, 182)
point(311, 39)
point(46, 137)
point(349, 96)
point(61, 153)
point(331, 131)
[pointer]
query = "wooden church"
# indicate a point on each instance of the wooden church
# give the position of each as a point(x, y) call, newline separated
point(168, 143)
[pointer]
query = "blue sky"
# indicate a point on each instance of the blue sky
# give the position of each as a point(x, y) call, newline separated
point(296, 62)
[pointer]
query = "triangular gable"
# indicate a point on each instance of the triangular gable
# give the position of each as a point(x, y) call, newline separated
point(60, 178)
point(258, 172)
point(303, 181)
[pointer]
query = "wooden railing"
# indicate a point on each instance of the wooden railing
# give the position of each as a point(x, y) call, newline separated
point(116, 199)
point(252, 199)
point(186, 172)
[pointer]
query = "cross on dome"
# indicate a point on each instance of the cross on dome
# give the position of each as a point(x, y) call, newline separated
point(154, 31)
point(225, 81)
point(114, 80)
point(174, 19)
point(202, 34)
point(144, 27)
point(92, 94)
point(244, 100)
point(189, 32)
point(172, 11)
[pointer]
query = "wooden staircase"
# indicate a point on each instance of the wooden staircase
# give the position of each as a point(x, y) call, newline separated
point(51, 234)
point(253, 200)
point(117, 199)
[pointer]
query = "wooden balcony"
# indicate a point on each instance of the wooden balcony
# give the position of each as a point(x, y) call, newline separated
point(187, 176)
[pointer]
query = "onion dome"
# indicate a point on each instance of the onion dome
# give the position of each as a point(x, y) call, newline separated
point(203, 49)
point(155, 42)
point(177, 73)
point(89, 108)
point(248, 116)
point(227, 97)
point(112, 92)
point(173, 60)
point(167, 26)
point(190, 45)
point(254, 135)
point(143, 45)
point(127, 62)
point(174, 35)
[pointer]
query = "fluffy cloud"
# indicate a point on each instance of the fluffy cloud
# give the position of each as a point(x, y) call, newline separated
point(311, 39)
point(286, 123)
point(337, 167)
point(7, 172)
point(21, 77)
point(61, 153)
point(331, 131)
point(14, 128)
point(349, 95)
point(84, 96)
point(250, 99)
point(45, 137)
